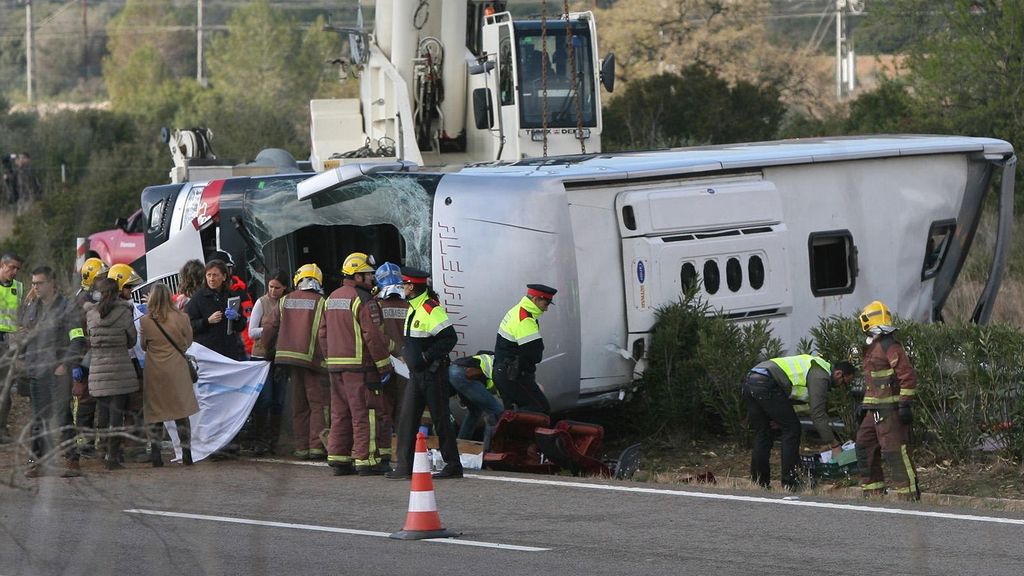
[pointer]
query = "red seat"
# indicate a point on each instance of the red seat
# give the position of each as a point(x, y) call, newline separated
point(574, 446)
point(513, 445)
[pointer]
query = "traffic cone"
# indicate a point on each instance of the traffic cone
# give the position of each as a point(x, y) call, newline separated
point(423, 521)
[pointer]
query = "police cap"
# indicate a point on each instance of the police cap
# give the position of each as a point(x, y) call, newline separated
point(541, 291)
point(414, 275)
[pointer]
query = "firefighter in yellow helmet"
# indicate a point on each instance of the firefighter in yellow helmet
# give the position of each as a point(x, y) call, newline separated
point(126, 278)
point(890, 385)
point(358, 358)
point(296, 327)
point(83, 405)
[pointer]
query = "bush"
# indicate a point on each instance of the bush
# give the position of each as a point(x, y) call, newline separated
point(695, 367)
point(969, 382)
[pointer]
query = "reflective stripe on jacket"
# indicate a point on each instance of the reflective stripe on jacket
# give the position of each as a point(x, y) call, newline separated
point(889, 377)
point(795, 368)
point(351, 334)
point(300, 316)
point(519, 336)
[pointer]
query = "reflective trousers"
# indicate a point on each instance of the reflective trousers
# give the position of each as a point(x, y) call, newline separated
point(382, 409)
point(308, 399)
point(883, 445)
point(351, 421)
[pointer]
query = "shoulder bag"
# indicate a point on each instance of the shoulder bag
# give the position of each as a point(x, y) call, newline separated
point(193, 365)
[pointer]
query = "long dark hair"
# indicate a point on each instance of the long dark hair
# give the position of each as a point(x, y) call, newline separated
point(110, 296)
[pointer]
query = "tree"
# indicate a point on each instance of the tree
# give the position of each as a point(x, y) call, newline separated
point(655, 36)
point(695, 107)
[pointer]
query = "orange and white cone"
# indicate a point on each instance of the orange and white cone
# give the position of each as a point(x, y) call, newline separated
point(423, 521)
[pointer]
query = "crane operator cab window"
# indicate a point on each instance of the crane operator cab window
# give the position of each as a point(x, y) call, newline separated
point(546, 63)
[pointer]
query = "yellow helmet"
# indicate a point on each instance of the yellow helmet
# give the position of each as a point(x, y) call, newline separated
point(92, 269)
point(124, 275)
point(357, 262)
point(875, 314)
point(308, 271)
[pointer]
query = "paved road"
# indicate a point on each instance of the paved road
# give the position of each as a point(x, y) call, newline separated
point(285, 518)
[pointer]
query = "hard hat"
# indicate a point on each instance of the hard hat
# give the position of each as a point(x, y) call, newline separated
point(92, 268)
point(124, 275)
point(357, 262)
point(875, 314)
point(308, 271)
point(388, 274)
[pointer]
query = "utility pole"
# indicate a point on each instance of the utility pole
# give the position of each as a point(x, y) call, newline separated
point(840, 4)
point(199, 43)
point(846, 62)
point(85, 39)
point(28, 50)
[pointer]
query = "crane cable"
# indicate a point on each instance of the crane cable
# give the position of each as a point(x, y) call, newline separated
point(576, 82)
point(544, 71)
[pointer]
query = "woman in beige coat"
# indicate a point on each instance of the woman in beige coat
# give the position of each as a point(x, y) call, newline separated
point(167, 393)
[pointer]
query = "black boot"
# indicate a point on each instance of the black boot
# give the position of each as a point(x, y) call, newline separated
point(273, 433)
point(112, 461)
point(185, 437)
point(155, 458)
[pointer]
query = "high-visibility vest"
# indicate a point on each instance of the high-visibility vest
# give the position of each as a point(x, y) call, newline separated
point(487, 367)
point(796, 368)
point(520, 325)
point(425, 317)
point(10, 301)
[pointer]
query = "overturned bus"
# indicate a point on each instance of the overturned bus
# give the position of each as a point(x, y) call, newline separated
point(789, 232)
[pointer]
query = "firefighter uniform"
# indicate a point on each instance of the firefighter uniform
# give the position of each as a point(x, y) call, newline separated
point(357, 356)
point(517, 351)
point(429, 338)
point(890, 384)
point(393, 312)
point(84, 406)
point(300, 316)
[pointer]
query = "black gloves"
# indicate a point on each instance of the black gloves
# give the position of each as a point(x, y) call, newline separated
point(906, 414)
point(419, 363)
point(860, 414)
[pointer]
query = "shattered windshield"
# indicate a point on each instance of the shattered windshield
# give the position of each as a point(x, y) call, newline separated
point(272, 209)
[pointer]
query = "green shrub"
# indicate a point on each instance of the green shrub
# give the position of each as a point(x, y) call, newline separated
point(695, 367)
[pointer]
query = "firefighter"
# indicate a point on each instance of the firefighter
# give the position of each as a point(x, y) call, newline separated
point(393, 307)
point(297, 348)
point(84, 405)
point(519, 348)
point(356, 351)
point(773, 391)
point(890, 384)
point(429, 338)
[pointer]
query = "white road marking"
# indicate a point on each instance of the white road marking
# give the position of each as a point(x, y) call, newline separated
point(756, 499)
point(332, 529)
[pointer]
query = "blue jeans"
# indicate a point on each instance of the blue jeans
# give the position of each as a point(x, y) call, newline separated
point(481, 403)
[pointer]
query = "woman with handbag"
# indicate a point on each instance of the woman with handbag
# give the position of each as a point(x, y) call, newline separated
point(167, 393)
point(112, 376)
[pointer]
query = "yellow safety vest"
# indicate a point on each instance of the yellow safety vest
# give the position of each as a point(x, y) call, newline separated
point(796, 368)
point(487, 367)
point(10, 302)
point(423, 319)
point(520, 323)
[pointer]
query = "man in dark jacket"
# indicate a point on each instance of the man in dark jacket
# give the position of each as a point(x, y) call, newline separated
point(214, 324)
point(429, 338)
point(518, 349)
point(52, 351)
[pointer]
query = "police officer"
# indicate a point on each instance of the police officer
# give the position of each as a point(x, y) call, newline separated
point(429, 338)
point(519, 348)
point(472, 378)
point(890, 385)
point(12, 293)
point(770, 390)
point(356, 352)
point(297, 348)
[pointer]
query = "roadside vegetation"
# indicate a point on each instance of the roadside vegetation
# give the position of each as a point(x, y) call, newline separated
point(691, 73)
